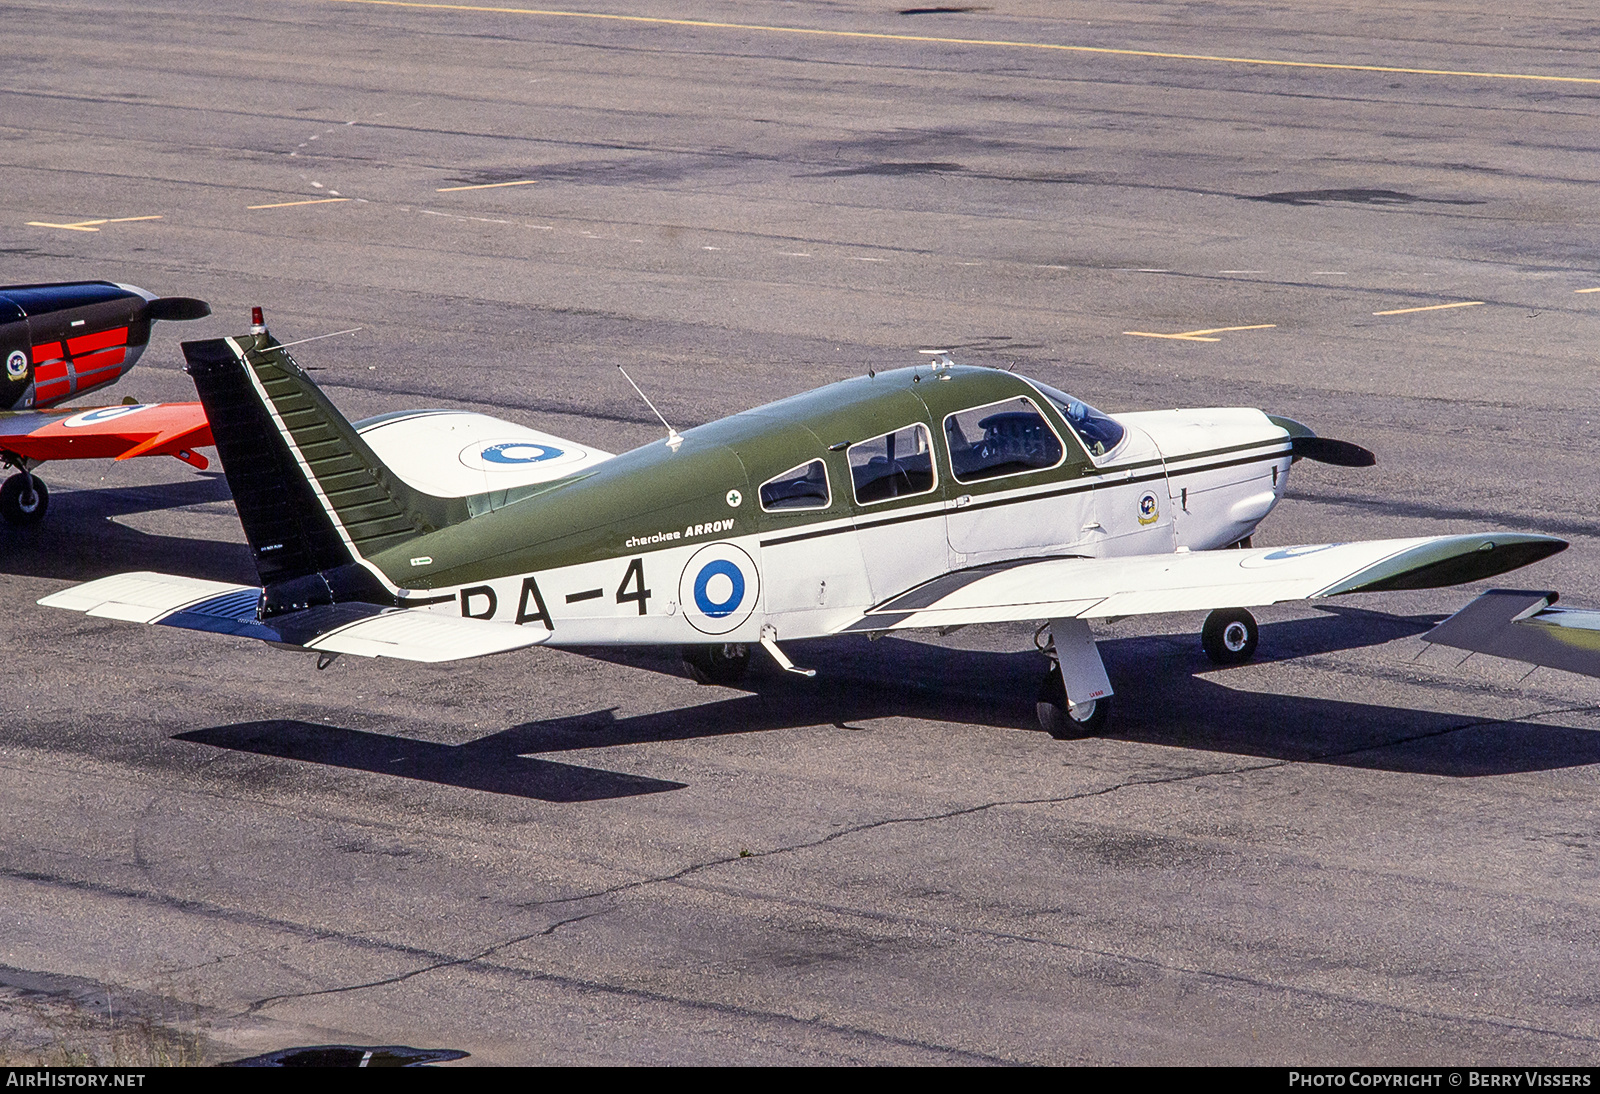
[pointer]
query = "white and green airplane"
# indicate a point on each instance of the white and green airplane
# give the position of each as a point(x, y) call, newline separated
point(929, 497)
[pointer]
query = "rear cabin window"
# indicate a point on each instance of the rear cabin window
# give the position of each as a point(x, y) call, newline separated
point(895, 465)
point(803, 487)
point(1000, 439)
point(1098, 432)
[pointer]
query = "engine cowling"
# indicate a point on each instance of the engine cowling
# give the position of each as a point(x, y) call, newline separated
point(58, 341)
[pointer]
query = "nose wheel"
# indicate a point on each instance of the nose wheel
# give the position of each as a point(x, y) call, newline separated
point(1230, 636)
point(23, 499)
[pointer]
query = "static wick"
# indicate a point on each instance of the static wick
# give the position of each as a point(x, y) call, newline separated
point(673, 437)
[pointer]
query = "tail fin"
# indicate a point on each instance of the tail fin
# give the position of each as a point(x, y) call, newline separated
point(314, 499)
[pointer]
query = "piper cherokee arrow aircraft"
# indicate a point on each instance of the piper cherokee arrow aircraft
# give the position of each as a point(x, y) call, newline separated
point(63, 340)
point(928, 497)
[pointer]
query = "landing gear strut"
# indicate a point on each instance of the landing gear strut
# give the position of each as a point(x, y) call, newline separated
point(723, 663)
point(23, 499)
point(1230, 636)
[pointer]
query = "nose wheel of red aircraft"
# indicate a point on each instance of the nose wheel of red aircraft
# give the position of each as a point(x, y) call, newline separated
point(1063, 719)
point(1230, 636)
point(23, 499)
point(722, 663)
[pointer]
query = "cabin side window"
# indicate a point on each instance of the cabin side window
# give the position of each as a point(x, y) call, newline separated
point(895, 465)
point(1005, 438)
point(803, 487)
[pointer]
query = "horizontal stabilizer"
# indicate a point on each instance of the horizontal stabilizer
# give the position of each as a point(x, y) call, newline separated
point(365, 630)
point(1105, 588)
point(1523, 626)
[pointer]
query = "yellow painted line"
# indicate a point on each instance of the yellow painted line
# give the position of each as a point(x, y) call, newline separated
point(1431, 307)
point(1198, 335)
point(997, 42)
point(287, 204)
point(86, 225)
point(485, 186)
point(1587, 290)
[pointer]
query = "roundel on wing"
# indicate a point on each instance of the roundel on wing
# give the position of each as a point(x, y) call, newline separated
point(719, 588)
point(103, 414)
point(516, 454)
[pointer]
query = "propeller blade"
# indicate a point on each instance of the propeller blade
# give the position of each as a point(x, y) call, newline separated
point(1328, 450)
point(177, 308)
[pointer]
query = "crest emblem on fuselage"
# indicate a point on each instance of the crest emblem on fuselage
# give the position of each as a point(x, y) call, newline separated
point(1149, 510)
point(16, 365)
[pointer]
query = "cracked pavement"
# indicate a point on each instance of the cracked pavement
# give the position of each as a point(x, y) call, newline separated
point(1356, 850)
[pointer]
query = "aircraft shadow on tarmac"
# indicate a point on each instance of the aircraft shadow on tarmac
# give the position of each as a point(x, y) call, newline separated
point(1161, 701)
point(81, 539)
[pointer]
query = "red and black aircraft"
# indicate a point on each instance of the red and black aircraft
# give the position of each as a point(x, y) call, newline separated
point(60, 341)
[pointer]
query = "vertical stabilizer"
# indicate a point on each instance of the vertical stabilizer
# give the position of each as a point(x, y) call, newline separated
point(315, 501)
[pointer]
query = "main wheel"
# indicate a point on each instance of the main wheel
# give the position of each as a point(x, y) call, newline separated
point(22, 505)
point(723, 663)
point(1230, 636)
point(1060, 718)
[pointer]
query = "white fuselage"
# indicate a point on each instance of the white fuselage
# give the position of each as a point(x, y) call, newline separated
point(1181, 480)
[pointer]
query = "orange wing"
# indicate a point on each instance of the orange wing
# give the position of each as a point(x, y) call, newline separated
point(114, 432)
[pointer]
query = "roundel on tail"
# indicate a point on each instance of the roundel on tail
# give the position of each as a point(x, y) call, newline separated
point(719, 588)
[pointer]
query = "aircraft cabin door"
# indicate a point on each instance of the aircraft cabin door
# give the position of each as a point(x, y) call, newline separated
point(898, 496)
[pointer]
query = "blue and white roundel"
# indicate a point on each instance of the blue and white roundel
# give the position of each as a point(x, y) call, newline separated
point(719, 588)
point(518, 452)
point(16, 365)
point(104, 414)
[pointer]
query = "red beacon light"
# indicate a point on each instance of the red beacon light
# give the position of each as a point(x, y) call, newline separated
point(258, 324)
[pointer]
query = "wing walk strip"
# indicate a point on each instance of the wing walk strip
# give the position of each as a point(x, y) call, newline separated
point(1104, 481)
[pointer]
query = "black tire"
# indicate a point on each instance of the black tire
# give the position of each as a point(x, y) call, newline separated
point(1059, 719)
point(1230, 636)
point(21, 506)
point(723, 663)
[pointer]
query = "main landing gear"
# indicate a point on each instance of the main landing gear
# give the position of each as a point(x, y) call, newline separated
point(1230, 636)
point(722, 663)
point(23, 499)
point(1075, 695)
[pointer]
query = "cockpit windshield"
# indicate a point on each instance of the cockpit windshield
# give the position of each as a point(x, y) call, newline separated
point(1099, 432)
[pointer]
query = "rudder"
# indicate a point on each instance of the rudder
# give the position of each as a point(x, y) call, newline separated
point(314, 499)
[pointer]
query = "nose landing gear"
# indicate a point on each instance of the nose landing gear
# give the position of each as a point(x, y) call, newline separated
point(1229, 636)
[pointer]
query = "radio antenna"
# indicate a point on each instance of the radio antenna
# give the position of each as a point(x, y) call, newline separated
point(318, 337)
point(674, 439)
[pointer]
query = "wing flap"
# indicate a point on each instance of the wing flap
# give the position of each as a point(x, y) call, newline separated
point(1522, 626)
point(1102, 588)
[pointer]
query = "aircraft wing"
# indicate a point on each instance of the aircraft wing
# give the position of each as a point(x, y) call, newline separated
point(1524, 627)
point(1104, 588)
point(117, 432)
point(366, 630)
